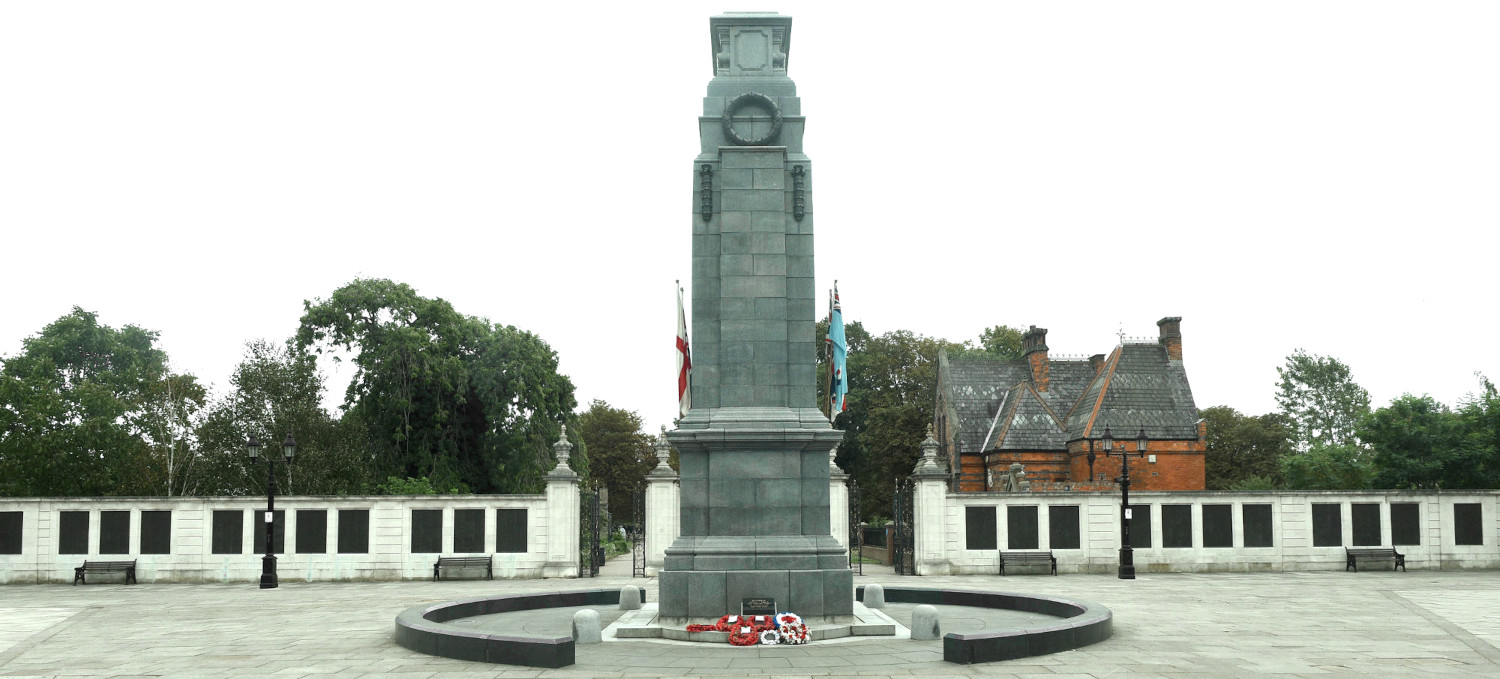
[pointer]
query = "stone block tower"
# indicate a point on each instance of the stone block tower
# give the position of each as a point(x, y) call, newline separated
point(754, 447)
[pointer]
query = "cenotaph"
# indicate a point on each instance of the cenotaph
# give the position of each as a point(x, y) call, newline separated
point(754, 446)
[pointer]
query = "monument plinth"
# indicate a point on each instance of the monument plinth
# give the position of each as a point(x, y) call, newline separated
point(754, 447)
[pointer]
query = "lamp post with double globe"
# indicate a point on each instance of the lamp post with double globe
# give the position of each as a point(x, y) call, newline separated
point(268, 562)
point(1127, 555)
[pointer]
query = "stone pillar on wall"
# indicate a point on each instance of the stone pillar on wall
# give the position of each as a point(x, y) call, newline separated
point(663, 520)
point(929, 502)
point(838, 501)
point(562, 514)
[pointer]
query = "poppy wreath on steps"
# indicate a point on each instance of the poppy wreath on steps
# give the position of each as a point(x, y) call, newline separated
point(743, 630)
point(747, 631)
point(791, 629)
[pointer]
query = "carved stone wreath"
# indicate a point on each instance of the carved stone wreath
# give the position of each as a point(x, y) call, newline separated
point(738, 102)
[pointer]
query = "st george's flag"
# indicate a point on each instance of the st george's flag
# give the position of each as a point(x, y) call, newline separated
point(838, 384)
point(684, 361)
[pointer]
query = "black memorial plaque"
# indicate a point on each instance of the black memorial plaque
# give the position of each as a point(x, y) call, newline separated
point(1258, 532)
point(1218, 526)
point(426, 531)
point(1406, 523)
point(510, 530)
point(1328, 525)
point(1177, 525)
point(10, 532)
point(114, 531)
point(757, 606)
point(979, 527)
point(1140, 526)
point(156, 531)
point(354, 531)
point(1020, 527)
point(1366, 519)
point(312, 531)
point(1062, 527)
point(468, 530)
point(1468, 523)
point(73, 532)
point(229, 527)
point(279, 544)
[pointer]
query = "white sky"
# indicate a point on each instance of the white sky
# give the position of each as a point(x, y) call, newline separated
point(1280, 174)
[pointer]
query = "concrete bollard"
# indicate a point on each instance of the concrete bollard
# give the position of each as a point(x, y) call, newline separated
point(874, 596)
point(924, 623)
point(586, 627)
point(630, 598)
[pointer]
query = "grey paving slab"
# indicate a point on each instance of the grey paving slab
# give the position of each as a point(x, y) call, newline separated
point(1180, 625)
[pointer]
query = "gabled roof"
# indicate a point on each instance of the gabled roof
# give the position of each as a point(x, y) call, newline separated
point(975, 388)
point(1029, 423)
point(1139, 386)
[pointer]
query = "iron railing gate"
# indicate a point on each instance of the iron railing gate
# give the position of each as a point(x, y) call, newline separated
point(905, 541)
point(638, 536)
point(590, 555)
point(856, 531)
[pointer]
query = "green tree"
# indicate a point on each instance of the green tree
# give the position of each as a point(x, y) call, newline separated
point(1421, 443)
point(1329, 467)
point(450, 397)
point(892, 392)
point(620, 453)
point(277, 390)
point(86, 409)
point(1243, 449)
point(1000, 342)
point(1320, 400)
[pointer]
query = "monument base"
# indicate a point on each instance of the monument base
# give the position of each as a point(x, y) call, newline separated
point(646, 623)
point(815, 595)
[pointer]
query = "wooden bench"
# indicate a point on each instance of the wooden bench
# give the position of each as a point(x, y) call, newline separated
point(1353, 555)
point(1028, 559)
point(464, 562)
point(126, 567)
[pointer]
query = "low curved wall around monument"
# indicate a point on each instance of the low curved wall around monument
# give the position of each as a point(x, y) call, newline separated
point(421, 628)
point(1079, 623)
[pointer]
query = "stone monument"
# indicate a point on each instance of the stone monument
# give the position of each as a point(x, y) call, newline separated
point(754, 446)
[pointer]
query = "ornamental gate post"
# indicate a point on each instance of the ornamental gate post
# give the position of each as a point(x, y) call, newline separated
point(563, 515)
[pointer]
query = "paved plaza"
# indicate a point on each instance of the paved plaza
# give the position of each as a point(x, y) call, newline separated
point(1174, 625)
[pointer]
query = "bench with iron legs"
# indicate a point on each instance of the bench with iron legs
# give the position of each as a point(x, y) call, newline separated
point(1353, 555)
point(1014, 559)
point(126, 567)
point(444, 562)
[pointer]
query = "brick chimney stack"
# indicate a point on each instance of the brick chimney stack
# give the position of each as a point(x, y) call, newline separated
point(1170, 329)
point(1034, 348)
point(1096, 362)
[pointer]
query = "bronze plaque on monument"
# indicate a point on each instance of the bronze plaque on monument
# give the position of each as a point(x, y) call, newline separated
point(757, 607)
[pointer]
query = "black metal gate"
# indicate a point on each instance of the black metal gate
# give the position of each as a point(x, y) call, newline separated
point(637, 536)
point(856, 531)
point(590, 554)
point(904, 558)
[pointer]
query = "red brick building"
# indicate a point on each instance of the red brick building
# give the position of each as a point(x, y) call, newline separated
point(1048, 414)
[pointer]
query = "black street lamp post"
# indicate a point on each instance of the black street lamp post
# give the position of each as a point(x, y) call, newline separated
point(268, 562)
point(1127, 555)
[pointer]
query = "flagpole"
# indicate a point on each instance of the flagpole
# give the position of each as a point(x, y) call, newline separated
point(828, 354)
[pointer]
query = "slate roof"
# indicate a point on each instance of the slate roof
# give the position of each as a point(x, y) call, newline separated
point(1138, 386)
point(1030, 424)
point(975, 388)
